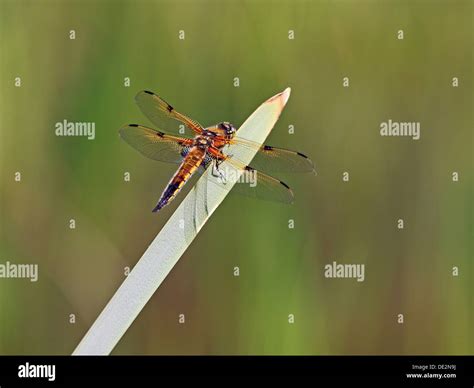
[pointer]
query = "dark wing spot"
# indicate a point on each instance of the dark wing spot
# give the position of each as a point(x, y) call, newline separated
point(169, 108)
point(160, 134)
point(133, 125)
point(147, 91)
point(303, 155)
point(248, 168)
point(284, 184)
point(267, 147)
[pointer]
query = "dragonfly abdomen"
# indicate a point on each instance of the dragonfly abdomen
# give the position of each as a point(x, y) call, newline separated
point(188, 166)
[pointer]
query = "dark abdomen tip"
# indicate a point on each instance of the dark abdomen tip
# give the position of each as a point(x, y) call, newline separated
point(158, 207)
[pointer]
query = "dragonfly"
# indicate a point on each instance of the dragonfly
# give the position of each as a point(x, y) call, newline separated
point(196, 148)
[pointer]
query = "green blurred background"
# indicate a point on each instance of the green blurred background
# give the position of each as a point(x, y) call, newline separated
point(281, 270)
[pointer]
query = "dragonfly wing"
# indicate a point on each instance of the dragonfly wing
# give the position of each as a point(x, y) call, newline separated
point(154, 144)
point(251, 182)
point(279, 159)
point(265, 187)
point(270, 158)
point(163, 115)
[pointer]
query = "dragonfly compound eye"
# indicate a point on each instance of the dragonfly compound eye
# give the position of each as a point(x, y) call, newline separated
point(228, 128)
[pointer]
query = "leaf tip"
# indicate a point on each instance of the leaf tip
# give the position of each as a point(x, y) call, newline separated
point(286, 95)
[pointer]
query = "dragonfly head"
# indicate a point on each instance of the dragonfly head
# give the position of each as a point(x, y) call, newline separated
point(228, 129)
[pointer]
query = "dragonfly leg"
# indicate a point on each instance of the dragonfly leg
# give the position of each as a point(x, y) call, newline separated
point(218, 173)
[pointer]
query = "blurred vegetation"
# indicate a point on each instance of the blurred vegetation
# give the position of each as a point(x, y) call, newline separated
point(281, 270)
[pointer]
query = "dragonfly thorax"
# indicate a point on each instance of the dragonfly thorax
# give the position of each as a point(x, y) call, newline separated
point(209, 133)
point(203, 141)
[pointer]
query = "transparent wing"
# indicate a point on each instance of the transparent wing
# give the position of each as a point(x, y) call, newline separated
point(251, 182)
point(270, 158)
point(163, 115)
point(154, 144)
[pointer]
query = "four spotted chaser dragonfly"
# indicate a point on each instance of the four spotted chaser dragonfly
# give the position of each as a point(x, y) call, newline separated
point(205, 147)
